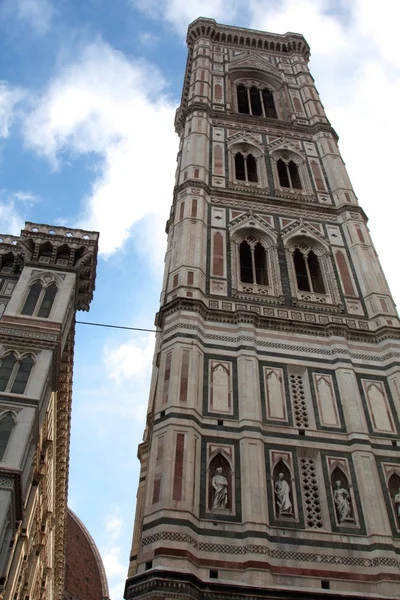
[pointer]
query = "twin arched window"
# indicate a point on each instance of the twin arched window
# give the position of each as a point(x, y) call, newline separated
point(308, 272)
point(288, 173)
point(39, 300)
point(14, 373)
point(6, 426)
point(253, 262)
point(255, 101)
point(245, 167)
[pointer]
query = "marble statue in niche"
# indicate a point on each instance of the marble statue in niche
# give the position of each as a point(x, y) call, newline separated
point(220, 486)
point(343, 502)
point(282, 493)
point(397, 503)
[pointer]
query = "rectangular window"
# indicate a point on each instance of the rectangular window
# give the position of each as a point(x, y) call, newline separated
point(184, 376)
point(167, 375)
point(193, 213)
point(181, 211)
point(190, 276)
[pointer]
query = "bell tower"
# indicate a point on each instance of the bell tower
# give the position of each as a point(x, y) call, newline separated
point(270, 466)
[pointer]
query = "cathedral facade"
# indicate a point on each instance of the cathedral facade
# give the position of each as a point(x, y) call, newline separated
point(46, 275)
point(270, 465)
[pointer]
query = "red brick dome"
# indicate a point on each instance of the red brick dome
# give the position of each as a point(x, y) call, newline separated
point(85, 577)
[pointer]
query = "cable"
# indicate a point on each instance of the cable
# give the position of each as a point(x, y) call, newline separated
point(116, 326)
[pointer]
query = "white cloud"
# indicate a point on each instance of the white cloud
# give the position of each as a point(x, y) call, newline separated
point(181, 12)
point(130, 360)
point(111, 553)
point(13, 207)
point(35, 14)
point(106, 105)
point(9, 98)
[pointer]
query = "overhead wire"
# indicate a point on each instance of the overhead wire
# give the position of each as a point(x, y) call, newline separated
point(116, 326)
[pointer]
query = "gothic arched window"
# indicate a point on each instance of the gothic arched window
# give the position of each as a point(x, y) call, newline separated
point(6, 426)
point(245, 167)
point(40, 300)
point(253, 263)
point(14, 374)
point(308, 272)
point(288, 173)
point(256, 101)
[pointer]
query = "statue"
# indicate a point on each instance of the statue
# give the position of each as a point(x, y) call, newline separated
point(282, 491)
point(397, 503)
point(220, 485)
point(342, 500)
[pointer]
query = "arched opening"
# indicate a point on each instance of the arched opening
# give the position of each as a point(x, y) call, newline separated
point(256, 108)
point(48, 300)
point(269, 104)
point(245, 167)
point(299, 261)
point(32, 298)
point(6, 427)
point(283, 494)
point(341, 496)
point(251, 169)
point(243, 100)
point(394, 490)
point(253, 263)
point(308, 271)
point(7, 263)
point(45, 252)
point(6, 369)
point(246, 268)
point(240, 172)
point(288, 173)
point(317, 281)
point(220, 484)
point(22, 375)
point(260, 261)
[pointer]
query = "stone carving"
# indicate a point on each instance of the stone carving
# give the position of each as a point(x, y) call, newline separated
point(282, 492)
point(342, 500)
point(397, 503)
point(220, 485)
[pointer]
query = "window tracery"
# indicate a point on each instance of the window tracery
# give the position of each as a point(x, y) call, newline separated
point(15, 372)
point(290, 172)
point(254, 258)
point(311, 274)
point(7, 422)
point(256, 101)
point(40, 298)
point(245, 160)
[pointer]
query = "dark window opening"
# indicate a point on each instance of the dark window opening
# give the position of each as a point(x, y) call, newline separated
point(260, 260)
point(269, 104)
point(251, 168)
point(240, 172)
point(246, 268)
point(22, 376)
point(283, 173)
point(213, 574)
point(294, 175)
point(149, 565)
point(6, 427)
point(288, 173)
point(33, 296)
point(47, 301)
point(220, 422)
point(325, 585)
point(256, 108)
point(315, 273)
point(303, 283)
point(6, 368)
point(243, 100)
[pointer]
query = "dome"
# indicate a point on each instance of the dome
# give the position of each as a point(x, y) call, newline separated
point(85, 577)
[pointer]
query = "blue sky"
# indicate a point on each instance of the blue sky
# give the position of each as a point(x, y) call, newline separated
point(88, 91)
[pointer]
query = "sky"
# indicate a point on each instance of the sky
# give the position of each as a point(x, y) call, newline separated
point(88, 91)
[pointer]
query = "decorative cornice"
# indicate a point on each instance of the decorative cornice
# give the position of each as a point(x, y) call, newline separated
point(274, 323)
point(62, 437)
